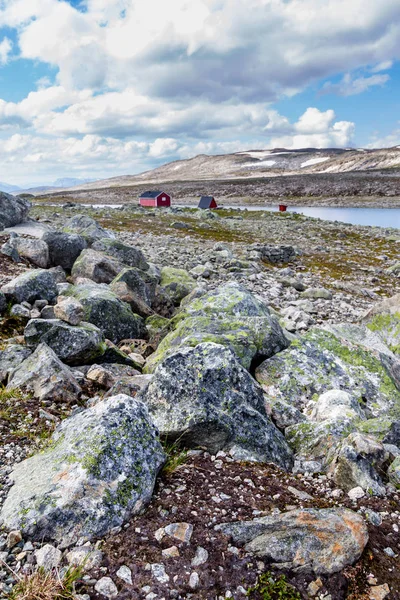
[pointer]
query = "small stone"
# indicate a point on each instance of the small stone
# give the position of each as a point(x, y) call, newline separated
point(356, 493)
point(314, 587)
point(180, 531)
point(389, 552)
point(299, 493)
point(85, 557)
point(13, 538)
point(48, 557)
point(200, 557)
point(194, 580)
point(379, 592)
point(106, 587)
point(373, 517)
point(158, 572)
point(125, 574)
point(159, 534)
point(171, 552)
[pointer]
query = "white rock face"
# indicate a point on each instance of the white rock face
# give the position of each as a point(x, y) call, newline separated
point(336, 405)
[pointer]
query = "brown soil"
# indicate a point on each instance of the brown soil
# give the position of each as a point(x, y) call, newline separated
point(189, 495)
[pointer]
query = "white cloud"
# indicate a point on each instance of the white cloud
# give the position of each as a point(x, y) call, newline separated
point(146, 81)
point(5, 50)
point(350, 86)
point(33, 156)
point(382, 66)
point(386, 141)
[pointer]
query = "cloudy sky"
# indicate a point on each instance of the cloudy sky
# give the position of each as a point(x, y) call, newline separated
point(97, 88)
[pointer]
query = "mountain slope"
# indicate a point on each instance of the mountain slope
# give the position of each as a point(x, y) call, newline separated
point(259, 163)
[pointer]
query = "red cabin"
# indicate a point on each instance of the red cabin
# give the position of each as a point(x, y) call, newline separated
point(282, 208)
point(155, 199)
point(207, 202)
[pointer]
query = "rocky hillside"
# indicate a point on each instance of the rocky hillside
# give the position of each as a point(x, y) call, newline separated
point(189, 417)
point(260, 163)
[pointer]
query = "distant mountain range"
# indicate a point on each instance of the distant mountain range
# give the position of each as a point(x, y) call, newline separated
point(9, 188)
point(245, 165)
point(251, 164)
point(62, 183)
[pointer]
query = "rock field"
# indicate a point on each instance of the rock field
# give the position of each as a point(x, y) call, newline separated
point(199, 404)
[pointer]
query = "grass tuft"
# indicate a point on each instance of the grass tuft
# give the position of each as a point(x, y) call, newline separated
point(176, 456)
point(43, 585)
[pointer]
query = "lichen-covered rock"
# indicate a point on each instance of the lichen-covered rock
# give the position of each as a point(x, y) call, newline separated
point(99, 470)
point(33, 285)
point(35, 251)
point(140, 282)
point(96, 266)
point(69, 310)
point(112, 316)
point(177, 283)
point(73, 345)
point(45, 376)
point(317, 293)
point(357, 463)
point(64, 248)
point(10, 358)
point(128, 255)
point(229, 315)
point(320, 541)
point(336, 405)
point(13, 209)
point(204, 397)
point(320, 361)
point(394, 472)
point(315, 444)
point(86, 227)
point(136, 300)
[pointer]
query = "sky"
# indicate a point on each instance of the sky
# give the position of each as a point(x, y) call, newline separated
point(100, 88)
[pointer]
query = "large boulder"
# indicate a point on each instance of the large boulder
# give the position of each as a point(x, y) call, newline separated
point(35, 251)
point(96, 266)
point(128, 255)
point(140, 282)
point(37, 284)
point(229, 315)
point(74, 345)
point(112, 316)
point(64, 248)
point(45, 376)
point(319, 541)
point(358, 463)
point(13, 210)
point(100, 469)
point(178, 283)
point(204, 397)
point(321, 361)
point(10, 358)
point(87, 227)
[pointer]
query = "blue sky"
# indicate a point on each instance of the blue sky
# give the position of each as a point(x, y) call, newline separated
point(100, 88)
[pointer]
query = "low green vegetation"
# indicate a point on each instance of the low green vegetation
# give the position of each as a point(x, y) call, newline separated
point(176, 455)
point(269, 587)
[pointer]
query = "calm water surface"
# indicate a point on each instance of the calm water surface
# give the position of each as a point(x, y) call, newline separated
point(378, 217)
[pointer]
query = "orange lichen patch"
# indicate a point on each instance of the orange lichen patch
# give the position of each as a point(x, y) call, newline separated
point(358, 530)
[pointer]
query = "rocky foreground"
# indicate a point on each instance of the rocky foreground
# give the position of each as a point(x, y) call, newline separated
point(199, 405)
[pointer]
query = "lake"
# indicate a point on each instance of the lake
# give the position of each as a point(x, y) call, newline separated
point(377, 217)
